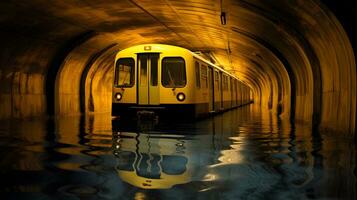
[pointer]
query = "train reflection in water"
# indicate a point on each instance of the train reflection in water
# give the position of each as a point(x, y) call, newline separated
point(153, 161)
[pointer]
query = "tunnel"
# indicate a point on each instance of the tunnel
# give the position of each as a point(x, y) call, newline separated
point(297, 57)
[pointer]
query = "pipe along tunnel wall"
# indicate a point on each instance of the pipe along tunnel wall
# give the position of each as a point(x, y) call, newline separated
point(57, 58)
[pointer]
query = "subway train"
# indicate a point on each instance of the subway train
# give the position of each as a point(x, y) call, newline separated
point(158, 79)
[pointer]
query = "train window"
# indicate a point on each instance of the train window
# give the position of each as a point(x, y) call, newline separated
point(143, 71)
point(204, 76)
point(173, 72)
point(197, 71)
point(225, 82)
point(216, 78)
point(124, 76)
point(232, 84)
point(153, 77)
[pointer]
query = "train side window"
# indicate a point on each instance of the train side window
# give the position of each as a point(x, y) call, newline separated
point(173, 72)
point(204, 76)
point(197, 70)
point(124, 72)
point(216, 78)
point(225, 83)
point(232, 86)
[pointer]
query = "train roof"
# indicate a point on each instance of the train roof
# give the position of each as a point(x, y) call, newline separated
point(210, 63)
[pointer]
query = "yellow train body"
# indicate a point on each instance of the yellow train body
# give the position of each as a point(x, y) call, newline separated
point(172, 80)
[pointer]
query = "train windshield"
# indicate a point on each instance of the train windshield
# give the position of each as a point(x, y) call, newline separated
point(124, 72)
point(173, 72)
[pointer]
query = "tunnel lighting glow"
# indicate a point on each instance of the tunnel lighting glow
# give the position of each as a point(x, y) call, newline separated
point(118, 96)
point(180, 96)
point(147, 48)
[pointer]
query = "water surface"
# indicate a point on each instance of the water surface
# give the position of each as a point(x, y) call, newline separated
point(242, 154)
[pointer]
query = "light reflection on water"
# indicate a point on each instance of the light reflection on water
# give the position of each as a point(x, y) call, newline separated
point(242, 154)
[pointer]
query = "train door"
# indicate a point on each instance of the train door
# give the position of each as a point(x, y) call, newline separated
point(210, 89)
point(148, 88)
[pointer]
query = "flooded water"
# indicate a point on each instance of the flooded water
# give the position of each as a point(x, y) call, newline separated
point(242, 154)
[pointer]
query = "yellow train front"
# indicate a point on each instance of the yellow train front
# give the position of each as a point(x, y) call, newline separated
point(172, 81)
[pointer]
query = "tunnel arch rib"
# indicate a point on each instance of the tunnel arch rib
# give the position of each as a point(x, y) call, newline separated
point(55, 66)
point(84, 99)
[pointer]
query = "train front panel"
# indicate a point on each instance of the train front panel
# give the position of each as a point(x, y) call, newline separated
point(156, 80)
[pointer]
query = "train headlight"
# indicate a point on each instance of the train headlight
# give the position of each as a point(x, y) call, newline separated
point(180, 96)
point(118, 96)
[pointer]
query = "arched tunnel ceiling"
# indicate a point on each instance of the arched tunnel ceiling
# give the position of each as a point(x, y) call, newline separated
point(283, 50)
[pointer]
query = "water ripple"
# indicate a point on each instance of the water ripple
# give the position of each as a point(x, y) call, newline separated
point(238, 155)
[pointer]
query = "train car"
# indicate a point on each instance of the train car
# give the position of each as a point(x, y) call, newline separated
point(172, 81)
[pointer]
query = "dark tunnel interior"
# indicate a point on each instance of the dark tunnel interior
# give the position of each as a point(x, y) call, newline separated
point(297, 57)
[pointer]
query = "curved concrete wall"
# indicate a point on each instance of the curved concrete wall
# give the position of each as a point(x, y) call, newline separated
point(24, 62)
point(68, 79)
point(99, 83)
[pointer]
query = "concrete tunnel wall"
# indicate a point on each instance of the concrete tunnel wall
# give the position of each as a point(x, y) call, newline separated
point(70, 80)
point(294, 55)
